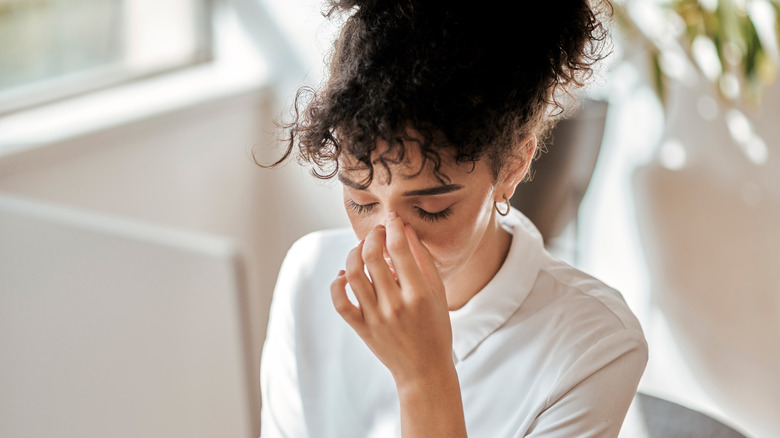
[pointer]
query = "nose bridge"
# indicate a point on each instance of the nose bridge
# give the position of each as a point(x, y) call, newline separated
point(391, 197)
point(402, 208)
point(390, 200)
point(385, 206)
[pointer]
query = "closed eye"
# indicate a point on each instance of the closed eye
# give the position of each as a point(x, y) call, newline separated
point(423, 214)
point(361, 208)
point(433, 217)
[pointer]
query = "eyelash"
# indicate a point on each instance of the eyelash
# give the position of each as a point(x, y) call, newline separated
point(361, 208)
point(424, 215)
point(433, 217)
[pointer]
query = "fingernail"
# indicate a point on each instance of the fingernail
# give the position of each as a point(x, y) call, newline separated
point(380, 227)
point(341, 272)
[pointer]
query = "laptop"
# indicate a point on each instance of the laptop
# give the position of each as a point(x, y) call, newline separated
point(114, 328)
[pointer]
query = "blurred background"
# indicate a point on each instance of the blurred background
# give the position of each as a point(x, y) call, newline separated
point(145, 114)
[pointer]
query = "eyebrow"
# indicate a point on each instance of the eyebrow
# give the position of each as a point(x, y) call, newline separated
point(438, 190)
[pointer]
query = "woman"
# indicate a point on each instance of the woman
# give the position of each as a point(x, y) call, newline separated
point(440, 314)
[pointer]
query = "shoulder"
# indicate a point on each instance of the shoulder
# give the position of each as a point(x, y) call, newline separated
point(593, 328)
point(318, 245)
point(583, 328)
point(556, 291)
point(317, 257)
point(323, 241)
point(569, 310)
point(584, 300)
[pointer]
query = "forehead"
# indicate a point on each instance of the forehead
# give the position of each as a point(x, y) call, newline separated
point(402, 163)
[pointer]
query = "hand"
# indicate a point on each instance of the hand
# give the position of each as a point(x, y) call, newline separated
point(404, 321)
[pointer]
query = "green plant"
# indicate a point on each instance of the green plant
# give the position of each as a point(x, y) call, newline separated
point(737, 34)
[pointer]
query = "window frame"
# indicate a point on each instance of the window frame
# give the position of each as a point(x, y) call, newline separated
point(78, 84)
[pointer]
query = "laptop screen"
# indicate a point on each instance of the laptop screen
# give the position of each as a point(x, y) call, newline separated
point(114, 328)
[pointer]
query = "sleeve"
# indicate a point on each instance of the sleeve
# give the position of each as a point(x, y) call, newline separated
point(281, 413)
point(591, 398)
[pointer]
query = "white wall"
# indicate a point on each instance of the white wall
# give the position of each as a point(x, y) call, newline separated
point(192, 169)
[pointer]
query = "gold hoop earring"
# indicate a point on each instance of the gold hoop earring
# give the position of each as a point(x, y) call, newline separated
point(508, 207)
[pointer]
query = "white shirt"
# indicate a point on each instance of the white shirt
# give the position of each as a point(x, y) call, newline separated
point(543, 350)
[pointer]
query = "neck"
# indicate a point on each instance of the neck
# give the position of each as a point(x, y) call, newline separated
point(481, 267)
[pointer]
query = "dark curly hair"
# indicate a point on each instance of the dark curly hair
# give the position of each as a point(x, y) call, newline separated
point(471, 78)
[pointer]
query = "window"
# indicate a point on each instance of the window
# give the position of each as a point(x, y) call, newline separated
point(54, 49)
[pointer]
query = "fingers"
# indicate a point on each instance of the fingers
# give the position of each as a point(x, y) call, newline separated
point(424, 261)
point(414, 266)
point(358, 281)
point(338, 293)
point(384, 283)
point(409, 274)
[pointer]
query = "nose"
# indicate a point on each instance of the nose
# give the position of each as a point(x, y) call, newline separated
point(380, 217)
point(385, 253)
point(383, 214)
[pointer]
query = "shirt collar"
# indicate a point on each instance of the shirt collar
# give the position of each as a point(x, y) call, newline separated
point(491, 307)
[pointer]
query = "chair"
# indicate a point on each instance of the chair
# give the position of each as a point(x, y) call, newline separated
point(561, 175)
point(653, 417)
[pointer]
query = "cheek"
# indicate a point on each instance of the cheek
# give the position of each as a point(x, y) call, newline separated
point(361, 224)
point(447, 254)
point(451, 246)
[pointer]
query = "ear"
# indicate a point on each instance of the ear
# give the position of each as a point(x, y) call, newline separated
point(516, 169)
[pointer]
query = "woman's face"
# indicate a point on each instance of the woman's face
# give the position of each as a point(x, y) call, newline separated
point(452, 219)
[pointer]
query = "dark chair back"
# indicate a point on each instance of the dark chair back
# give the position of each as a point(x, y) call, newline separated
point(562, 174)
point(664, 419)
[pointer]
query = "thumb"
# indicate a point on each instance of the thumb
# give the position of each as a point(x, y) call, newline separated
point(425, 261)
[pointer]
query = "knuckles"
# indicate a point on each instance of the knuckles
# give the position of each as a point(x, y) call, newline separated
point(354, 265)
point(416, 301)
point(394, 310)
point(340, 303)
point(390, 316)
point(372, 251)
point(373, 257)
point(342, 307)
point(395, 245)
point(352, 274)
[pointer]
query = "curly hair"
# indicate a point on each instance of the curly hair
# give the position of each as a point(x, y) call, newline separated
point(470, 79)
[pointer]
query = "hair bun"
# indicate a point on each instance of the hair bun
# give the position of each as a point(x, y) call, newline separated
point(347, 5)
point(368, 7)
point(476, 78)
